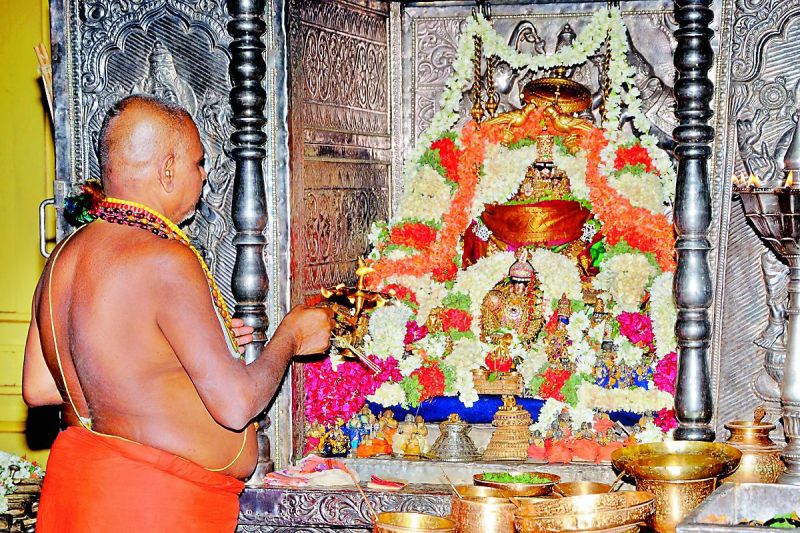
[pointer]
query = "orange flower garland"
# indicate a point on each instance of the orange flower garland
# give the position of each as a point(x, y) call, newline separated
point(621, 220)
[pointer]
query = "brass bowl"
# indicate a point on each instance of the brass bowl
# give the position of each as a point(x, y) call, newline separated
point(476, 492)
point(482, 509)
point(677, 460)
point(520, 489)
point(581, 488)
point(412, 523)
point(589, 512)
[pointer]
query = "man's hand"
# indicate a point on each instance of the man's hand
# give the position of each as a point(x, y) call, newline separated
point(244, 334)
point(309, 328)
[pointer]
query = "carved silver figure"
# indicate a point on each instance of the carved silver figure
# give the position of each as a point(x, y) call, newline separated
point(776, 282)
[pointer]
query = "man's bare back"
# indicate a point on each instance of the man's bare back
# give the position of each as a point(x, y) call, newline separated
point(142, 349)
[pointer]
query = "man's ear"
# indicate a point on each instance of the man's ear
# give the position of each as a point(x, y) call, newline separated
point(166, 174)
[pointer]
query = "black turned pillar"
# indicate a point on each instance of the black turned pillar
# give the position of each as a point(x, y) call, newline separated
point(693, 291)
point(249, 282)
point(247, 69)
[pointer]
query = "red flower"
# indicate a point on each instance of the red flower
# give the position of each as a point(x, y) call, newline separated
point(553, 381)
point(455, 319)
point(446, 272)
point(404, 294)
point(414, 235)
point(552, 324)
point(633, 156)
point(431, 380)
point(448, 156)
point(498, 364)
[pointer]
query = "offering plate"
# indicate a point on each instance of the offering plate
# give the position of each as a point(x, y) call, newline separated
point(521, 489)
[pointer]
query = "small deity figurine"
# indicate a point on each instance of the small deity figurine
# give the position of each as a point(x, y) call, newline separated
point(499, 359)
point(354, 431)
point(422, 435)
point(512, 305)
point(564, 308)
point(387, 426)
point(401, 444)
point(338, 442)
point(314, 436)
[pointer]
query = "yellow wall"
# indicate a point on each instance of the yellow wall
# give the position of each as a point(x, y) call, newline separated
point(26, 175)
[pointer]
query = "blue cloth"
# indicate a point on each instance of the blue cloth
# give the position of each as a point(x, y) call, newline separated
point(439, 408)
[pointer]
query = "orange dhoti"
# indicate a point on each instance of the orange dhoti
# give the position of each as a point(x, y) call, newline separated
point(96, 483)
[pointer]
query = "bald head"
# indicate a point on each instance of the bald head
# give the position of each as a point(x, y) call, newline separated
point(138, 133)
point(150, 152)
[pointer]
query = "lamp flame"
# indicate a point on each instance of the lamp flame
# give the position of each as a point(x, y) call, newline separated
point(789, 179)
point(754, 181)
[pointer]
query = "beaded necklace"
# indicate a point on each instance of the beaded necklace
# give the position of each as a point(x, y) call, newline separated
point(127, 213)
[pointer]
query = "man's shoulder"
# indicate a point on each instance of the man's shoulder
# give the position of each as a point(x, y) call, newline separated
point(163, 257)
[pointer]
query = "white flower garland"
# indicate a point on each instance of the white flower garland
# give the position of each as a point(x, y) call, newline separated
point(628, 353)
point(503, 173)
point(639, 190)
point(477, 280)
point(389, 394)
point(635, 400)
point(574, 166)
point(548, 414)
point(467, 354)
point(387, 330)
point(426, 196)
point(429, 292)
point(532, 363)
point(558, 275)
point(625, 277)
point(663, 314)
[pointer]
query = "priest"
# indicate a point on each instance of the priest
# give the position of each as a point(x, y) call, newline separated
point(130, 334)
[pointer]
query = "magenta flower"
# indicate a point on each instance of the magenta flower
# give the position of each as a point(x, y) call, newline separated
point(638, 328)
point(341, 394)
point(665, 420)
point(666, 373)
point(415, 332)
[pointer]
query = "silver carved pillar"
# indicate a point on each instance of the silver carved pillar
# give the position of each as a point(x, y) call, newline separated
point(248, 98)
point(693, 290)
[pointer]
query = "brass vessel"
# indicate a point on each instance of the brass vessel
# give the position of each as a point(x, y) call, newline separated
point(412, 523)
point(570, 96)
point(482, 509)
point(680, 474)
point(520, 489)
point(581, 488)
point(761, 458)
point(618, 511)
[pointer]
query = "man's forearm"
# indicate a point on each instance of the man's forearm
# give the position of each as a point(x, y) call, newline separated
point(266, 372)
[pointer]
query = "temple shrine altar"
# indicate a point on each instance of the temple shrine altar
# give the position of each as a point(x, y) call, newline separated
point(529, 241)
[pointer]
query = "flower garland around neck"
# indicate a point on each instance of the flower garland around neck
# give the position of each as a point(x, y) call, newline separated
point(92, 204)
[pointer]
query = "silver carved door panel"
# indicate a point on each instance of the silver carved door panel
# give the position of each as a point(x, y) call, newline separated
point(340, 144)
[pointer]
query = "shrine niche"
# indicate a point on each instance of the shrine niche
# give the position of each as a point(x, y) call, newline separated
point(530, 255)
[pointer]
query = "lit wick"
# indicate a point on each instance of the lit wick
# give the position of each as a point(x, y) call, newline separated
point(791, 182)
point(754, 181)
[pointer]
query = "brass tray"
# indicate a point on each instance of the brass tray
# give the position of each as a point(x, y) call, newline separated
point(590, 512)
point(520, 489)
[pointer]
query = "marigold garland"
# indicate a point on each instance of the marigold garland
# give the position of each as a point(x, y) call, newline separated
point(637, 226)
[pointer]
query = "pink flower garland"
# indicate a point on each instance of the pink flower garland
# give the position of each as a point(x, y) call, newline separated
point(330, 395)
point(666, 373)
point(665, 420)
point(638, 328)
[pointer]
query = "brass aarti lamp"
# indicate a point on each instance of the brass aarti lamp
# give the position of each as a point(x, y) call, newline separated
point(349, 305)
point(775, 215)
